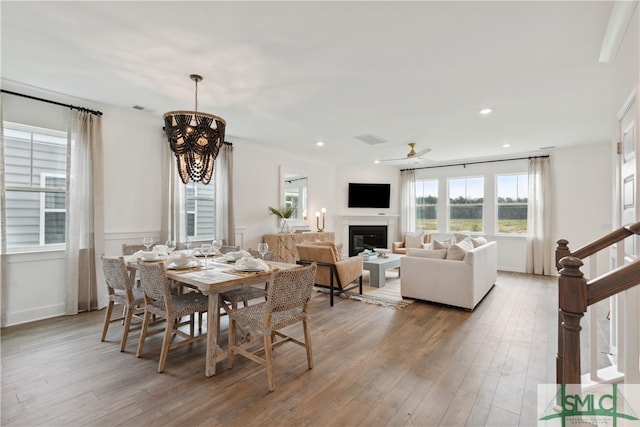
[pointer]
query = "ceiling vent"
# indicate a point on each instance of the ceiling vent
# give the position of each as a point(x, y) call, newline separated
point(371, 139)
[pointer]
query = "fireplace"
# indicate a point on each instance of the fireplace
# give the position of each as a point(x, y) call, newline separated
point(363, 237)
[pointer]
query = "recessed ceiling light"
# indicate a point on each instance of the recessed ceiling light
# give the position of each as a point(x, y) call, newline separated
point(319, 143)
point(376, 161)
point(506, 145)
point(485, 111)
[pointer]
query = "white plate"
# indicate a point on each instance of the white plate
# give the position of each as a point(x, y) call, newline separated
point(158, 258)
point(250, 269)
point(190, 264)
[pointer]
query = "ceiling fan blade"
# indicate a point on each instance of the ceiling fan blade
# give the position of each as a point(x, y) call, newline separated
point(421, 152)
point(394, 160)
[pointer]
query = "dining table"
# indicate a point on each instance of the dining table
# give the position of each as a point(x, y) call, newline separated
point(211, 279)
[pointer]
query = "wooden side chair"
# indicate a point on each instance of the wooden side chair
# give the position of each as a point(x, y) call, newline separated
point(287, 303)
point(159, 301)
point(120, 286)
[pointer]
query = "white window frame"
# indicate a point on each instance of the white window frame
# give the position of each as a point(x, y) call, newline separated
point(43, 208)
point(484, 200)
point(196, 198)
point(41, 247)
point(497, 209)
point(436, 206)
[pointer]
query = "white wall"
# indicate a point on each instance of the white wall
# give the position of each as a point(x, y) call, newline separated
point(257, 186)
point(582, 198)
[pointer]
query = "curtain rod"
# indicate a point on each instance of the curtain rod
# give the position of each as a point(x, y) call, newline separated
point(73, 107)
point(478, 162)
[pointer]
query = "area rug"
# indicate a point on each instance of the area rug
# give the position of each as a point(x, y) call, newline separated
point(387, 296)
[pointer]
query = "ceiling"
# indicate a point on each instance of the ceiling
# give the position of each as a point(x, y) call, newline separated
point(287, 74)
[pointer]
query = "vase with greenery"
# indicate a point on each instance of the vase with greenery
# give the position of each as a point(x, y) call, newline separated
point(284, 215)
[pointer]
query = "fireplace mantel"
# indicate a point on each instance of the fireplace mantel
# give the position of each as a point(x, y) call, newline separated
point(390, 220)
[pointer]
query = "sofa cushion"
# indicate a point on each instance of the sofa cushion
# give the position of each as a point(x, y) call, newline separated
point(438, 244)
point(427, 253)
point(460, 237)
point(478, 241)
point(413, 240)
point(459, 250)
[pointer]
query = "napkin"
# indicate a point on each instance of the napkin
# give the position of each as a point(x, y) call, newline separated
point(249, 262)
point(181, 258)
point(162, 250)
point(133, 257)
point(233, 256)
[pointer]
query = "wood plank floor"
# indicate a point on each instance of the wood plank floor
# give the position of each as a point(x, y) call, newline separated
point(424, 365)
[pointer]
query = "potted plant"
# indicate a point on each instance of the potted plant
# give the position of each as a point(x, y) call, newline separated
point(284, 215)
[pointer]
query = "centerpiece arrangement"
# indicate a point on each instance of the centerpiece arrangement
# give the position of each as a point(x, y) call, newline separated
point(284, 215)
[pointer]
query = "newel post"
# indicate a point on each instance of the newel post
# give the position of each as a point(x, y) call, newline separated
point(572, 302)
point(562, 250)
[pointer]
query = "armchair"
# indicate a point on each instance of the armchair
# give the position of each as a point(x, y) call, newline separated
point(332, 272)
point(411, 240)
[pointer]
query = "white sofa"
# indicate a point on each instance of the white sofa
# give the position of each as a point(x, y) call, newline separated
point(448, 281)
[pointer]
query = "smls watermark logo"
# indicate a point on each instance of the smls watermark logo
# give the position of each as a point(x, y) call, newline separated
point(603, 405)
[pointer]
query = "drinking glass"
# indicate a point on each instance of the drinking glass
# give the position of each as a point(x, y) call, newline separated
point(206, 250)
point(171, 246)
point(147, 241)
point(217, 244)
point(187, 243)
point(263, 248)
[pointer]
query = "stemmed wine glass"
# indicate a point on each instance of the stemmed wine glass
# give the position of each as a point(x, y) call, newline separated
point(147, 241)
point(206, 250)
point(217, 244)
point(263, 248)
point(171, 246)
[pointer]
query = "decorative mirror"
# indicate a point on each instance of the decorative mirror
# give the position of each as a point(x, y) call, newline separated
point(293, 194)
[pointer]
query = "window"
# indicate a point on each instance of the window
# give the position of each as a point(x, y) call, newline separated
point(200, 210)
point(35, 178)
point(511, 191)
point(427, 204)
point(466, 201)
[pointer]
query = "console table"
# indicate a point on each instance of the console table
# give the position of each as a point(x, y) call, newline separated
point(283, 245)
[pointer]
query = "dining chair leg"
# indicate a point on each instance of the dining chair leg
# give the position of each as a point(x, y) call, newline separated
point(268, 356)
point(143, 332)
point(107, 320)
point(168, 332)
point(232, 342)
point(307, 343)
point(126, 328)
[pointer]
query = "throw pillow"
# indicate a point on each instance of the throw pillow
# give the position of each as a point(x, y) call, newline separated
point(437, 244)
point(427, 253)
point(478, 241)
point(413, 240)
point(459, 250)
point(460, 236)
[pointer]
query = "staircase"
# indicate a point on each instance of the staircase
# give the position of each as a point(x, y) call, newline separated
point(576, 294)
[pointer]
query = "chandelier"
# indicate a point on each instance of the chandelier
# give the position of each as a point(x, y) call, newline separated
point(195, 138)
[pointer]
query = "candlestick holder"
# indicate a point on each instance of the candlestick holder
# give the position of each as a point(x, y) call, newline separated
point(318, 215)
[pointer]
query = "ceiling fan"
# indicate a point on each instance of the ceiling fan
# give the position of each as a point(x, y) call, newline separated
point(411, 155)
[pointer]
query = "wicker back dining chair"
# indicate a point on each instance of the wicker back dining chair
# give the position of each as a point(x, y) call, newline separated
point(160, 301)
point(287, 303)
point(132, 249)
point(121, 289)
point(268, 256)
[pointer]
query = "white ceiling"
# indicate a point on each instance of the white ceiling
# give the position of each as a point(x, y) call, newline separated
point(286, 74)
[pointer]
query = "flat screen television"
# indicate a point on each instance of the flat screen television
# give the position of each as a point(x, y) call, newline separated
point(369, 195)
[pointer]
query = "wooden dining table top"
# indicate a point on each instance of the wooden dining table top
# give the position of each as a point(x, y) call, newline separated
point(219, 275)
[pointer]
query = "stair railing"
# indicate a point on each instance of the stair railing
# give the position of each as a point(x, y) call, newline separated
point(575, 294)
